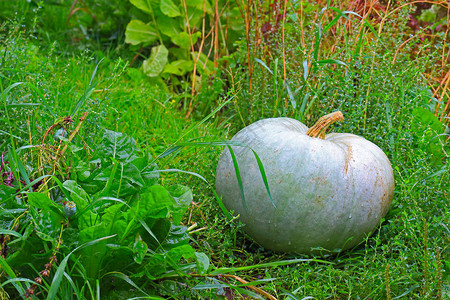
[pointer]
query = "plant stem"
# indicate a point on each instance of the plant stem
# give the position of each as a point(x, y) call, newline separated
point(318, 129)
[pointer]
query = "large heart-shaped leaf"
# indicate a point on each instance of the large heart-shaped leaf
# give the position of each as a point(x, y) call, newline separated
point(138, 32)
point(158, 59)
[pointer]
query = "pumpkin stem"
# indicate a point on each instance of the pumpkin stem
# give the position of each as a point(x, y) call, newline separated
point(318, 129)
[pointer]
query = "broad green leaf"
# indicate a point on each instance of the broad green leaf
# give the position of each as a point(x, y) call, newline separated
point(142, 5)
point(427, 118)
point(195, 17)
point(47, 225)
point(169, 8)
point(117, 166)
point(158, 59)
point(6, 192)
point(43, 202)
point(140, 249)
point(155, 266)
point(138, 32)
point(183, 40)
point(234, 19)
point(179, 53)
point(114, 220)
point(179, 67)
point(202, 261)
point(120, 146)
point(147, 168)
point(177, 236)
point(78, 194)
point(183, 198)
point(175, 254)
point(155, 202)
point(160, 229)
point(120, 180)
point(428, 125)
point(168, 26)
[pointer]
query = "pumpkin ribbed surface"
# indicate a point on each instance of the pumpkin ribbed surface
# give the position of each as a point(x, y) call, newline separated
point(328, 193)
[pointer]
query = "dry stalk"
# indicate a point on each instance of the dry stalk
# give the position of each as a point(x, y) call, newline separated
point(284, 48)
point(241, 280)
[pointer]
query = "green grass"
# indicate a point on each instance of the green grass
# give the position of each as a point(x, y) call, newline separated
point(407, 257)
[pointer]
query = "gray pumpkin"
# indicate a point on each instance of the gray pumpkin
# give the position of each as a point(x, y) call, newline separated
point(329, 191)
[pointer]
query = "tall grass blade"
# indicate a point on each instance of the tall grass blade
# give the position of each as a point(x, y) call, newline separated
point(291, 95)
point(12, 153)
point(18, 285)
point(19, 164)
point(75, 289)
point(267, 265)
point(8, 89)
point(63, 189)
point(130, 282)
point(19, 279)
point(331, 61)
point(25, 188)
point(204, 119)
point(305, 70)
point(57, 279)
point(12, 164)
point(264, 65)
point(42, 97)
point(169, 151)
point(303, 107)
point(340, 14)
point(88, 91)
point(407, 292)
point(181, 171)
point(221, 205)
point(317, 41)
point(23, 104)
point(264, 177)
point(14, 136)
point(10, 232)
point(228, 144)
point(238, 176)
